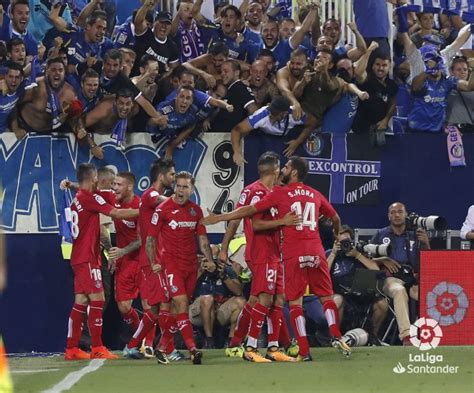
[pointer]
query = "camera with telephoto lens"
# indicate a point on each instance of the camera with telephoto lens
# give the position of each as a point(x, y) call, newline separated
point(375, 250)
point(430, 223)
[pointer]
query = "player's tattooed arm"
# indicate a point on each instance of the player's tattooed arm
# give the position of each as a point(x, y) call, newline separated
point(205, 247)
point(150, 247)
point(105, 237)
point(116, 252)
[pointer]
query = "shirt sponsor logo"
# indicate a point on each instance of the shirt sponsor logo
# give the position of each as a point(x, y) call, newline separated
point(182, 224)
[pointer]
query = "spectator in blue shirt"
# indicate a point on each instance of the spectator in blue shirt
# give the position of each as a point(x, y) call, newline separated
point(14, 88)
point(431, 90)
point(400, 263)
point(181, 117)
point(82, 44)
point(282, 48)
point(14, 25)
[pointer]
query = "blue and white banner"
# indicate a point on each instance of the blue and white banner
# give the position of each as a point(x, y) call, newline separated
point(31, 170)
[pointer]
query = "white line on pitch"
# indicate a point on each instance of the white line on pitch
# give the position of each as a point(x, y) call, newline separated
point(46, 370)
point(72, 378)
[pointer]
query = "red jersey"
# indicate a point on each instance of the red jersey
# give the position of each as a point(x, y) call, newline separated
point(126, 229)
point(176, 227)
point(85, 209)
point(148, 203)
point(305, 201)
point(261, 246)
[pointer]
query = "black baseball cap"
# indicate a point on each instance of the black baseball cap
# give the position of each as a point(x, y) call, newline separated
point(163, 17)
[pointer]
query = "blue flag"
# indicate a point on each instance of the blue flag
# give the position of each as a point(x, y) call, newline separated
point(65, 218)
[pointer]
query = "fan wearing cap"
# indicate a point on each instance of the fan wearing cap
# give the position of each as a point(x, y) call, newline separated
point(274, 119)
point(155, 41)
point(431, 90)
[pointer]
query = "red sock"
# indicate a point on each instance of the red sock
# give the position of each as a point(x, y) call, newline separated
point(150, 337)
point(298, 323)
point(132, 319)
point(284, 339)
point(168, 329)
point(74, 325)
point(257, 316)
point(242, 326)
point(186, 329)
point(95, 322)
point(332, 316)
point(146, 324)
point(274, 322)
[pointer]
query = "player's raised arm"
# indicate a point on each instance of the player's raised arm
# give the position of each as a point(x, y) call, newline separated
point(120, 214)
point(241, 212)
point(290, 218)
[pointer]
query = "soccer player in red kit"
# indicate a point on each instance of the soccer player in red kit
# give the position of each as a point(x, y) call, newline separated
point(125, 254)
point(151, 283)
point(86, 261)
point(304, 259)
point(262, 255)
point(175, 225)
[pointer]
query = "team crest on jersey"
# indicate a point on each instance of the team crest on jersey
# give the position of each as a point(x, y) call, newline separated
point(98, 284)
point(271, 286)
point(243, 198)
point(100, 200)
point(192, 212)
point(314, 145)
point(174, 289)
point(254, 200)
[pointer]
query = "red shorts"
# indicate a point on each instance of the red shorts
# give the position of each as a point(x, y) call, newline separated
point(181, 282)
point(299, 272)
point(152, 286)
point(126, 280)
point(87, 279)
point(267, 278)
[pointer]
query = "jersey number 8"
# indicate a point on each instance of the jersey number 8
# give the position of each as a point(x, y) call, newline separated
point(75, 224)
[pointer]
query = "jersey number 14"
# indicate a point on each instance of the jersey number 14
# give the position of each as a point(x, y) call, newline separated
point(308, 214)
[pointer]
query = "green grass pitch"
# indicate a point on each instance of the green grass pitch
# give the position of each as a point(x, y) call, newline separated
point(370, 369)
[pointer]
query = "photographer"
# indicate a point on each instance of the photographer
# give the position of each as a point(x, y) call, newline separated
point(343, 260)
point(218, 294)
point(401, 264)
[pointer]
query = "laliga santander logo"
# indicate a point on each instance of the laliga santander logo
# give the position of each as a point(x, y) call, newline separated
point(425, 334)
point(447, 303)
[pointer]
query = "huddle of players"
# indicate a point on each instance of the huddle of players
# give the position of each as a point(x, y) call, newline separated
point(162, 264)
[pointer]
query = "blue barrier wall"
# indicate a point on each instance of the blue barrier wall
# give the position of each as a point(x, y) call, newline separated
point(415, 170)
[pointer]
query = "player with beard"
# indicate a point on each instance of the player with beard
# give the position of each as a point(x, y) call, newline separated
point(287, 77)
point(302, 251)
point(152, 285)
point(125, 254)
point(85, 261)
